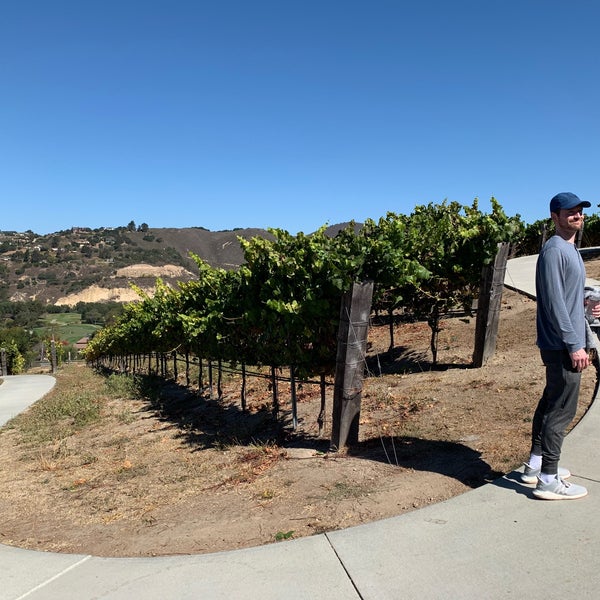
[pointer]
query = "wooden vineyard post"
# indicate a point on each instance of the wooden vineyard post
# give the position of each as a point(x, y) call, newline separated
point(488, 307)
point(294, 398)
point(243, 392)
point(321, 417)
point(210, 380)
point(200, 374)
point(220, 379)
point(275, 391)
point(350, 364)
point(53, 360)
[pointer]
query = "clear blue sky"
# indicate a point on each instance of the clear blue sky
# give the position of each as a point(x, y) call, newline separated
point(292, 114)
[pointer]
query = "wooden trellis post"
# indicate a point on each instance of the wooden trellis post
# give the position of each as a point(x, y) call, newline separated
point(350, 364)
point(3, 370)
point(53, 360)
point(488, 307)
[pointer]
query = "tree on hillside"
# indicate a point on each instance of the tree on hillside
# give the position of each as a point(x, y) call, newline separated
point(131, 226)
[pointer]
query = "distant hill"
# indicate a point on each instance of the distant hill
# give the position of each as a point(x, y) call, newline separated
point(89, 264)
point(99, 265)
point(218, 248)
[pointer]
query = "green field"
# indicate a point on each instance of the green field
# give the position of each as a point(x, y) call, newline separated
point(64, 326)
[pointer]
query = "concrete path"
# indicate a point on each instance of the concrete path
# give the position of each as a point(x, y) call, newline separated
point(17, 392)
point(520, 273)
point(494, 542)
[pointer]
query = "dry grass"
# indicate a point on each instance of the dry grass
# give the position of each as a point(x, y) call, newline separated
point(123, 466)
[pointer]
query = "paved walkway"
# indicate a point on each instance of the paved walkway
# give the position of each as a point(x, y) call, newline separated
point(493, 542)
point(520, 273)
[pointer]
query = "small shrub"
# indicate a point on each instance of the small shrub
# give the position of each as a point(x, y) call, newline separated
point(119, 385)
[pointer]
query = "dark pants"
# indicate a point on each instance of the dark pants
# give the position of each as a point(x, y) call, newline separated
point(556, 408)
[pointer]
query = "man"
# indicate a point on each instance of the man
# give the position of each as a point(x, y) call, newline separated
point(561, 338)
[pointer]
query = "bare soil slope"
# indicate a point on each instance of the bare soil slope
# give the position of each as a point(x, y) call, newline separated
point(181, 474)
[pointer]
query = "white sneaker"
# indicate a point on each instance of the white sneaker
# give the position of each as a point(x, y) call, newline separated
point(530, 475)
point(558, 489)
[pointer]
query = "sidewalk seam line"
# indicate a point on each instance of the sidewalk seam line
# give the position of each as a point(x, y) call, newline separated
point(343, 566)
point(60, 574)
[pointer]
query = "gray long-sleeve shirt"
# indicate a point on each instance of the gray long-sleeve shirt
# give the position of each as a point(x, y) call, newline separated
point(559, 283)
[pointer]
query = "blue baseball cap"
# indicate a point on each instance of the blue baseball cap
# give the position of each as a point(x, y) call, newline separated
point(566, 200)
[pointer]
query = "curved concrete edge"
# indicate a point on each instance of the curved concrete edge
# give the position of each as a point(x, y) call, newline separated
point(496, 541)
point(304, 568)
point(21, 391)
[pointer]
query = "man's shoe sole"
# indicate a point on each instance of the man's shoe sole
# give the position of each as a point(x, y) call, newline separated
point(546, 495)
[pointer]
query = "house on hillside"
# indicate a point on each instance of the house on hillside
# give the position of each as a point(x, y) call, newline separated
point(80, 345)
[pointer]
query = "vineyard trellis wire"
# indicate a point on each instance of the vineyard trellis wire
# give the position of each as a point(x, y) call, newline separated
point(282, 306)
point(142, 364)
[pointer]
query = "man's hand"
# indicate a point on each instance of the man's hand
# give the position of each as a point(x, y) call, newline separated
point(580, 359)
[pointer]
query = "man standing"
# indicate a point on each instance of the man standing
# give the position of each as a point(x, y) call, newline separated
point(561, 338)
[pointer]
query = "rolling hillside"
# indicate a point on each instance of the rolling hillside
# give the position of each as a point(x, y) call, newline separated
point(99, 265)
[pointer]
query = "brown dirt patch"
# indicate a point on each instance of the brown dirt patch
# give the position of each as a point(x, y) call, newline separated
point(180, 473)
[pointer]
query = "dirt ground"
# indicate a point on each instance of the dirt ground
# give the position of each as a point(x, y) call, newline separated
point(182, 474)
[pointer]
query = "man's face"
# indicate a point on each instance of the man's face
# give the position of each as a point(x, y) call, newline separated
point(569, 219)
